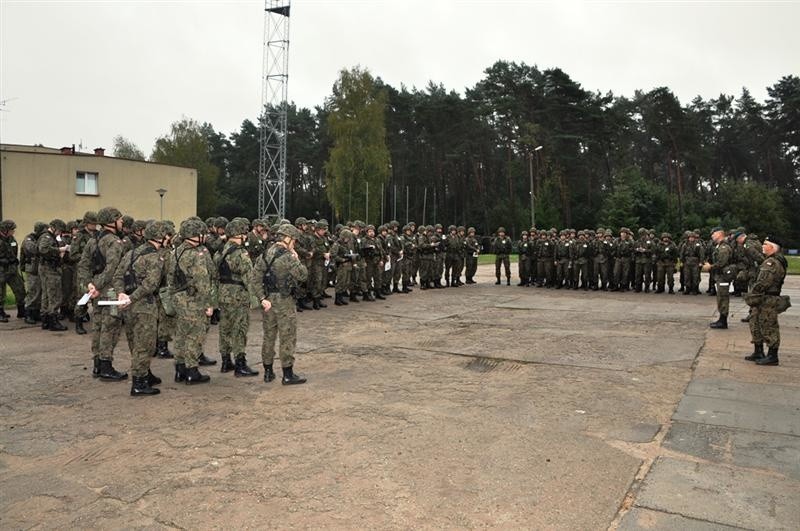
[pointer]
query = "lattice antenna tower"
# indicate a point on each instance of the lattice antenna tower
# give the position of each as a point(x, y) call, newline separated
point(274, 105)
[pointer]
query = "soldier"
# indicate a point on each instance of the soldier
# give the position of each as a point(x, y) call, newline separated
point(166, 323)
point(9, 269)
point(96, 269)
point(69, 272)
point(30, 262)
point(753, 258)
point(51, 251)
point(409, 243)
point(502, 248)
point(583, 254)
point(190, 280)
point(256, 242)
point(137, 280)
point(427, 259)
point(317, 272)
point(416, 262)
point(358, 276)
point(76, 247)
point(666, 256)
point(724, 272)
point(394, 246)
point(439, 239)
point(643, 256)
point(766, 303)
point(303, 247)
point(523, 260)
point(603, 254)
point(275, 275)
point(459, 256)
point(373, 258)
point(622, 260)
point(545, 259)
point(343, 253)
point(452, 248)
point(234, 269)
point(563, 261)
point(472, 249)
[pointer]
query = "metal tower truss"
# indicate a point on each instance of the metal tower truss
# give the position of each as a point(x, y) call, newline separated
point(274, 105)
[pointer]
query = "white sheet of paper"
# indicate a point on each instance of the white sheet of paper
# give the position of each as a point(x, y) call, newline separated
point(111, 303)
point(387, 266)
point(84, 300)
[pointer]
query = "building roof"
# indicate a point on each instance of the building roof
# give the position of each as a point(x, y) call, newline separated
point(70, 151)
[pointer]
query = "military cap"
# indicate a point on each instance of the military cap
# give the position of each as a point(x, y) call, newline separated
point(58, 224)
point(90, 217)
point(71, 224)
point(717, 229)
point(108, 215)
point(501, 229)
point(156, 230)
point(287, 229)
point(321, 224)
point(666, 235)
point(300, 221)
point(192, 228)
point(471, 230)
point(774, 239)
point(7, 225)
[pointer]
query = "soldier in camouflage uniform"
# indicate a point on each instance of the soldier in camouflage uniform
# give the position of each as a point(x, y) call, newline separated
point(643, 257)
point(523, 261)
point(256, 242)
point(472, 249)
point(427, 262)
point(693, 254)
point(76, 248)
point(409, 243)
point(439, 239)
point(275, 276)
point(373, 259)
point(502, 247)
point(69, 271)
point(96, 269)
point(545, 259)
point(452, 250)
point(766, 303)
point(563, 261)
point(9, 269)
point(623, 252)
point(343, 253)
point(666, 257)
point(51, 251)
point(394, 246)
point(303, 247)
point(583, 257)
point(748, 261)
point(317, 272)
point(603, 255)
point(29, 260)
point(137, 280)
point(724, 272)
point(459, 263)
point(191, 283)
point(234, 270)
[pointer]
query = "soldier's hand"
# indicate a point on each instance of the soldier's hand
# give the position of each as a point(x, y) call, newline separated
point(266, 305)
point(125, 298)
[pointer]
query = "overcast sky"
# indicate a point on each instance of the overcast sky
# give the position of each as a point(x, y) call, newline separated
point(85, 71)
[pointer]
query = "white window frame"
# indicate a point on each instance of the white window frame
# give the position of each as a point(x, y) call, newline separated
point(84, 178)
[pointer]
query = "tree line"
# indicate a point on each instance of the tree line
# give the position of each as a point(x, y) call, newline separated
point(592, 159)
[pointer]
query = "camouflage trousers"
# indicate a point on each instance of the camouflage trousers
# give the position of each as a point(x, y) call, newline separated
point(233, 326)
point(317, 278)
point(472, 266)
point(723, 296)
point(280, 323)
point(439, 267)
point(581, 275)
point(191, 326)
point(166, 325)
point(33, 292)
point(51, 289)
point(358, 277)
point(544, 270)
point(141, 324)
point(427, 266)
point(563, 271)
point(373, 273)
point(764, 322)
point(600, 272)
point(12, 278)
point(691, 275)
point(344, 271)
point(397, 270)
point(524, 269)
point(105, 331)
point(622, 272)
point(502, 259)
point(641, 275)
point(665, 274)
point(450, 262)
point(69, 276)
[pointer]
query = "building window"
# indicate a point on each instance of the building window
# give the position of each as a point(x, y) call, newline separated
point(86, 183)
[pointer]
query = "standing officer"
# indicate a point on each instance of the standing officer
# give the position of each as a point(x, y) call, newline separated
point(472, 249)
point(137, 279)
point(9, 269)
point(452, 249)
point(666, 256)
point(603, 254)
point(643, 252)
point(275, 277)
point(622, 260)
point(317, 272)
point(343, 254)
point(693, 253)
point(409, 243)
point(523, 262)
point(502, 247)
point(724, 273)
point(583, 256)
point(76, 248)
point(51, 251)
point(766, 303)
point(30, 264)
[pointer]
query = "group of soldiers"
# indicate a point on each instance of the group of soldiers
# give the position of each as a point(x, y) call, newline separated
point(158, 282)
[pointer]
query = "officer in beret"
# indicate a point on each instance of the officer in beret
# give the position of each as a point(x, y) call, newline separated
point(766, 303)
point(501, 247)
point(724, 273)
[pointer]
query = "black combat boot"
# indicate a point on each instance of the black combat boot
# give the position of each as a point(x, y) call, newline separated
point(55, 324)
point(338, 300)
point(215, 317)
point(508, 281)
point(269, 374)
point(79, 329)
point(320, 303)
point(758, 352)
point(498, 282)
point(162, 351)
point(671, 290)
point(205, 361)
point(3, 316)
point(20, 311)
point(378, 295)
point(109, 374)
point(152, 379)
point(746, 319)
point(447, 281)
point(30, 316)
point(241, 368)
point(303, 304)
point(95, 367)
point(290, 378)
point(46, 321)
point(354, 296)
point(423, 285)
point(315, 304)
point(180, 372)
point(406, 289)
point(227, 363)
point(141, 387)
point(721, 323)
point(298, 306)
point(771, 358)
point(395, 289)
point(367, 296)
point(194, 376)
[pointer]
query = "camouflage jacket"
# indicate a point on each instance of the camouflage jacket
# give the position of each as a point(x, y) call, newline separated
point(234, 269)
point(286, 271)
point(771, 275)
point(8, 253)
point(110, 249)
point(146, 265)
point(48, 245)
point(190, 275)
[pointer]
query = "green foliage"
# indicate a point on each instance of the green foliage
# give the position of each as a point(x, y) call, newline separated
point(125, 149)
point(758, 208)
point(187, 144)
point(359, 158)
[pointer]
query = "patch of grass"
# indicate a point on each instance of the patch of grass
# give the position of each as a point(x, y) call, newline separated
point(794, 265)
point(8, 299)
point(484, 259)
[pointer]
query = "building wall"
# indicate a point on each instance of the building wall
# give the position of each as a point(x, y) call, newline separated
point(40, 186)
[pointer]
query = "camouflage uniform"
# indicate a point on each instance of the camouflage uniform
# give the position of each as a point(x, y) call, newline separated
point(643, 267)
point(472, 249)
point(603, 254)
point(343, 253)
point(373, 259)
point(666, 256)
point(76, 248)
point(545, 260)
point(502, 247)
point(725, 272)
point(622, 260)
point(29, 260)
point(427, 261)
point(692, 254)
point(767, 303)
point(317, 272)
point(409, 243)
point(583, 256)
point(9, 268)
point(50, 257)
point(523, 261)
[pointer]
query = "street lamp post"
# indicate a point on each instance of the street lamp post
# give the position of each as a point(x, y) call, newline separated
point(530, 172)
point(161, 192)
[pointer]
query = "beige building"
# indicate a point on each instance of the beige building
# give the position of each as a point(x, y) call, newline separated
point(39, 184)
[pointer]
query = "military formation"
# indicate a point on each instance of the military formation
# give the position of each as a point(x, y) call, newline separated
point(159, 283)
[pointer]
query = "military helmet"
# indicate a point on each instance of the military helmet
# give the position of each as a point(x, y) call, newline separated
point(156, 230)
point(370, 228)
point(524, 233)
point(358, 223)
point(501, 229)
point(58, 224)
point(412, 223)
point(220, 222)
point(235, 228)
point(90, 217)
point(192, 228)
point(461, 228)
point(321, 224)
point(471, 230)
point(666, 235)
point(430, 228)
point(394, 223)
point(108, 215)
point(451, 228)
point(71, 224)
point(345, 234)
point(127, 221)
point(258, 222)
point(289, 230)
point(300, 221)
point(383, 228)
point(39, 227)
point(138, 225)
point(7, 225)
point(608, 232)
point(642, 230)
